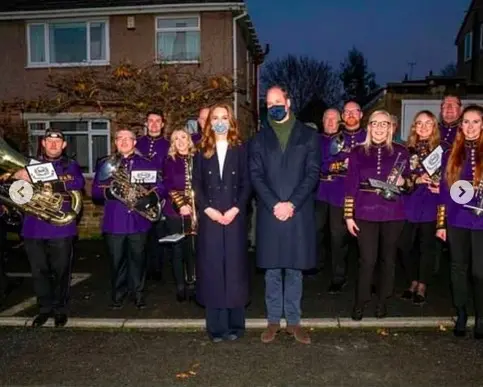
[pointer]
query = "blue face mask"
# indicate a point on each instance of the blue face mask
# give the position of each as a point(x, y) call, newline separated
point(277, 112)
point(220, 127)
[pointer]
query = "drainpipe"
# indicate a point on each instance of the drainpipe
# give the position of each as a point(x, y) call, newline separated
point(235, 60)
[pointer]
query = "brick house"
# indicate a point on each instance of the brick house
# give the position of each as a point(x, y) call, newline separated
point(469, 42)
point(45, 36)
point(405, 99)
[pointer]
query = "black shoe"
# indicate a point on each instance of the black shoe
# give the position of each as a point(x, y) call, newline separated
point(381, 310)
point(373, 289)
point(40, 320)
point(60, 320)
point(407, 295)
point(461, 320)
point(140, 302)
point(419, 299)
point(116, 305)
point(190, 293)
point(357, 313)
point(336, 287)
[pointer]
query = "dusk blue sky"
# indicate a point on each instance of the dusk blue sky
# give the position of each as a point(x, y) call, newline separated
point(390, 33)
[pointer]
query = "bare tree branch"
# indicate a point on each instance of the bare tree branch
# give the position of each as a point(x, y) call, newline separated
point(449, 70)
point(306, 79)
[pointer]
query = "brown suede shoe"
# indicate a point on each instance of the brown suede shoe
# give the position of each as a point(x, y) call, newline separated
point(269, 334)
point(299, 334)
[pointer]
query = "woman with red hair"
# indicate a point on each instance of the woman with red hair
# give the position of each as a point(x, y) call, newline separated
point(462, 224)
point(222, 190)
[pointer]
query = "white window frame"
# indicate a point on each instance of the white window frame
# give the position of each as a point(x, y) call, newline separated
point(46, 24)
point(175, 29)
point(90, 132)
point(467, 56)
point(249, 78)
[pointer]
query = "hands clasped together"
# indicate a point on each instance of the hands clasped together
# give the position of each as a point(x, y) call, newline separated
point(432, 185)
point(283, 211)
point(224, 219)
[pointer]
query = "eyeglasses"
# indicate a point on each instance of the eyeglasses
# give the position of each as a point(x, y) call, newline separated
point(380, 124)
point(428, 124)
point(450, 105)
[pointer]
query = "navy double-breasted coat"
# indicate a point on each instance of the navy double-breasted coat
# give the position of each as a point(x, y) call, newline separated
point(222, 266)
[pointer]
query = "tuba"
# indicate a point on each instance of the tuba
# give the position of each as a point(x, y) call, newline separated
point(45, 204)
point(126, 192)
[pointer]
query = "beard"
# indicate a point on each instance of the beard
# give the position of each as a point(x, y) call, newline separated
point(352, 121)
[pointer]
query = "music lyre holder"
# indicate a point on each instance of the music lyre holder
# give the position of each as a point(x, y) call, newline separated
point(432, 164)
point(388, 189)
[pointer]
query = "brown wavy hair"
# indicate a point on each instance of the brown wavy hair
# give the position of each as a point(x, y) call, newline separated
point(208, 140)
point(435, 137)
point(457, 155)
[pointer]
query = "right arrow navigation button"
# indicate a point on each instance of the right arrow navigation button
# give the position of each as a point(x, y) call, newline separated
point(462, 192)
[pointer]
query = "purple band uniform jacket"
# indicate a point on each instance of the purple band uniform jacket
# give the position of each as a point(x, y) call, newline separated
point(450, 212)
point(333, 166)
point(325, 189)
point(285, 176)
point(376, 163)
point(118, 219)
point(153, 148)
point(70, 179)
point(222, 266)
point(421, 204)
point(174, 179)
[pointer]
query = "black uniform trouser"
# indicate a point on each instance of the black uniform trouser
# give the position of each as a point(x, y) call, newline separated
point(154, 250)
point(466, 249)
point(342, 244)
point(377, 241)
point(128, 264)
point(419, 245)
point(51, 265)
point(323, 231)
point(182, 252)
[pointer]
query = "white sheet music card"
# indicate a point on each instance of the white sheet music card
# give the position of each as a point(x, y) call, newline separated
point(33, 161)
point(148, 177)
point(433, 161)
point(173, 238)
point(42, 172)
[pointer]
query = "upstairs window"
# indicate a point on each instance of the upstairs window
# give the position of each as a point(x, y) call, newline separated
point(468, 46)
point(178, 39)
point(68, 43)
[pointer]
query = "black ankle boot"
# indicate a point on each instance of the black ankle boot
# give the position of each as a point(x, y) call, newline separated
point(181, 295)
point(461, 320)
point(478, 331)
point(357, 312)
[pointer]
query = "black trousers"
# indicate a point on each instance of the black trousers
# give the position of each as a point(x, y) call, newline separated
point(377, 240)
point(51, 265)
point(466, 251)
point(182, 252)
point(419, 246)
point(128, 264)
point(155, 251)
point(323, 231)
point(342, 244)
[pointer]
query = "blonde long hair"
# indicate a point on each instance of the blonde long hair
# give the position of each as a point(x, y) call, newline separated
point(173, 152)
point(434, 139)
point(368, 141)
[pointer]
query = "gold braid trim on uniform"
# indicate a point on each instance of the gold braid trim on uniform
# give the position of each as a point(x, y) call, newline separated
point(348, 207)
point(441, 217)
point(336, 166)
point(178, 199)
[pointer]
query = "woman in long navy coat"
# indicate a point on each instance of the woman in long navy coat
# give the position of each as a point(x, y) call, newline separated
point(222, 189)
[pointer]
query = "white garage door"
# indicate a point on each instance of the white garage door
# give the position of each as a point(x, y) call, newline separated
point(411, 106)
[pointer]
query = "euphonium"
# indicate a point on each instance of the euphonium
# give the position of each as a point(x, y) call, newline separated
point(125, 191)
point(45, 204)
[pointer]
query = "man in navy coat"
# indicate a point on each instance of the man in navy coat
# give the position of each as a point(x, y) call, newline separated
point(284, 163)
